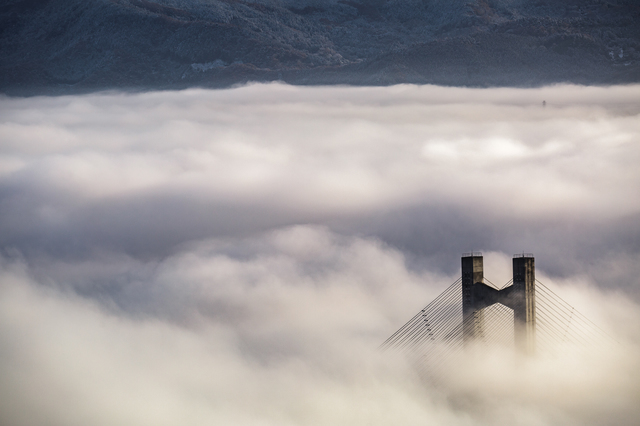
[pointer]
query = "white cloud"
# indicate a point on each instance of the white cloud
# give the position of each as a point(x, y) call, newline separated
point(235, 256)
point(359, 149)
point(278, 329)
point(146, 172)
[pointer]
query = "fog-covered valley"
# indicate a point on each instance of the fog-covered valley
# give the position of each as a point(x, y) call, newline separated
point(237, 256)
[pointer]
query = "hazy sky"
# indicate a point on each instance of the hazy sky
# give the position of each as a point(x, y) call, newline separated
point(236, 256)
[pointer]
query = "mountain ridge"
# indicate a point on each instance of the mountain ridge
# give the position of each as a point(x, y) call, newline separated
point(63, 46)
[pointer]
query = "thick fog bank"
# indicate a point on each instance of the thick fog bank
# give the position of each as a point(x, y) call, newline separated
point(236, 256)
point(432, 171)
point(282, 329)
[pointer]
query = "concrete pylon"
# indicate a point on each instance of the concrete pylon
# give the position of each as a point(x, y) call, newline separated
point(472, 275)
point(524, 302)
point(520, 297)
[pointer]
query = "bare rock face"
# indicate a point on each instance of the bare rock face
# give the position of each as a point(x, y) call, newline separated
point(60, 46)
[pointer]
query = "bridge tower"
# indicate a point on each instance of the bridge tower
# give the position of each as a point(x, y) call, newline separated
point(434, 332)
point(472, 276)
point(523, 299)
point(520, 297)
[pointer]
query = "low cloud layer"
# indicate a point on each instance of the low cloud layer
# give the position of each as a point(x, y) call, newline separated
point(281, 329)
point(236, 256)
point(433, 171)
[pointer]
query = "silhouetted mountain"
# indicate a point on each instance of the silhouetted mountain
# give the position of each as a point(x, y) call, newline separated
point(75, 45)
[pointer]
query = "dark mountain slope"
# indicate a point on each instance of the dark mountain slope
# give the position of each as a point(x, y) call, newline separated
point(77, 45)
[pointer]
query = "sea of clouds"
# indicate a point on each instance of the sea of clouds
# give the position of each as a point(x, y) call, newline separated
point(237, 256)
